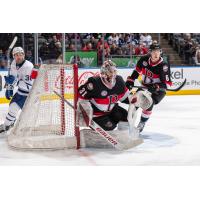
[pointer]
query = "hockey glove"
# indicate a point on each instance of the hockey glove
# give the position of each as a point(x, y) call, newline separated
point(9, 79)
point(153, 88)
point(9, 91)
point(129, 83)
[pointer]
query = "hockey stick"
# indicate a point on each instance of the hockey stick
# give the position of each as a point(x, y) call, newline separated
point(8, 52)
point(94, 126)
point(168, 89)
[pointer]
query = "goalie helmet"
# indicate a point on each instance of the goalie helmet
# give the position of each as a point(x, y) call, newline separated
point(17, 50)
point(108, 73)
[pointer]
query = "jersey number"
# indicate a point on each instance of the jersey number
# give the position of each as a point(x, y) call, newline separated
point(27, 78)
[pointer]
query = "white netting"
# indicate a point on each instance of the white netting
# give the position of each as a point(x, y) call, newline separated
point(46, 122)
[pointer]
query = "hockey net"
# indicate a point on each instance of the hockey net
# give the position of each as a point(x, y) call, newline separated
point(46, 122)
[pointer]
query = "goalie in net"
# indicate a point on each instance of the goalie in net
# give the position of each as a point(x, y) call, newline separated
point(47, 122)
point(101, 95)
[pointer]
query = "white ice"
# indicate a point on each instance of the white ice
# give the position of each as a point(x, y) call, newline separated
point(171, 137)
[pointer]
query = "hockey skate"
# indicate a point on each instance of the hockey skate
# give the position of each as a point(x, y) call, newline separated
point(4, 128)
point(141, 126)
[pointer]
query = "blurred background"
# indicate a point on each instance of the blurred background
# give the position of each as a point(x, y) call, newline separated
point(91, 49)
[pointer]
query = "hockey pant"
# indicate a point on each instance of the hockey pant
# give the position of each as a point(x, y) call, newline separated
point(109, 121)
point(15, 106)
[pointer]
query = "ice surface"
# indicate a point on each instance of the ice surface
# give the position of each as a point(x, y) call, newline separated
point(171, 137)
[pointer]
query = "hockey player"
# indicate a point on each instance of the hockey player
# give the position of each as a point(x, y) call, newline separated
point(19, 75)
point(155, 77)
point(104, 92)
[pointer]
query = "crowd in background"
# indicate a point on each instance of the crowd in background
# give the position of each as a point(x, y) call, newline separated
point(110, 44)
point(50, 45)
point(187, 45)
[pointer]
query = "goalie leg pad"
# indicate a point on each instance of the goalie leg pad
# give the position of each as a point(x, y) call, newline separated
point(123, 126)
point(94, 140)
point(86, 105)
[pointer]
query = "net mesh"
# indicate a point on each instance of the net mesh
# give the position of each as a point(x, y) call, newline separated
point(46, 121)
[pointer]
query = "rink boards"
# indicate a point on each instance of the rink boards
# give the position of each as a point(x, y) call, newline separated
point(178, 74)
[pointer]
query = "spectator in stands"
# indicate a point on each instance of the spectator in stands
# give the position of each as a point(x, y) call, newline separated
point(113, 38)
point(54, 50)
point(93, 41)
point(101, 49)
point(29, 56)
point(119, 51)
point(87, 35)
point(127, 49)
point(87, 47)
point(58, 49)
point(72, 47)
point(146, 38)
point(113, 49)
point(187, 48)
point(127, 39)
point(141, 49)
point(44, 52)
point(197, 56)
point(2, 55)
point(193, 50)
point(121, 39)
point(3, 64)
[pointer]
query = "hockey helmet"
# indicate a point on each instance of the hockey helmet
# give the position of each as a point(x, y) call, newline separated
point(154, 46)
point(17, 50)
point(108, 68)
point(108, 73)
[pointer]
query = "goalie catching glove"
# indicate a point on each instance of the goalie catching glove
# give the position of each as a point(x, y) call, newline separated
point(141, 99)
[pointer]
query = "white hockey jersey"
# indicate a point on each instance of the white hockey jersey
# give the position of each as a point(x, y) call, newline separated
point(22, 74)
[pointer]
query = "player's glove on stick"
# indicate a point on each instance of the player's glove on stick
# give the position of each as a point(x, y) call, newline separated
point(9, 79)
point(153, 88)
point(9, 91)
point(129, 83)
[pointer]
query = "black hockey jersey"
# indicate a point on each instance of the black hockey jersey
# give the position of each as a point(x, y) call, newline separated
point(102, 98)
point(152, 73)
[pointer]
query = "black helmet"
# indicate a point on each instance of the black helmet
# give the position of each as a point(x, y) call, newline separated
point(154, 46)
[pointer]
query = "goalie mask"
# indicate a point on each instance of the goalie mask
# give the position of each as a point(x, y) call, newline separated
point(18, 54)
point(108, 73)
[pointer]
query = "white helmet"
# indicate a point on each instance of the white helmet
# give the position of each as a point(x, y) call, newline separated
point(108, 73)
point(108, 67)
point(17, 50)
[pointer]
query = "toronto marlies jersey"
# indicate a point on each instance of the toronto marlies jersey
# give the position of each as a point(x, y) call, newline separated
point(101, 97)
point(22, 74)
point(152, 73)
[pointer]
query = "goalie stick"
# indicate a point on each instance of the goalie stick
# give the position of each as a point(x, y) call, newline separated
point(168, 89)
point(95, 127)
